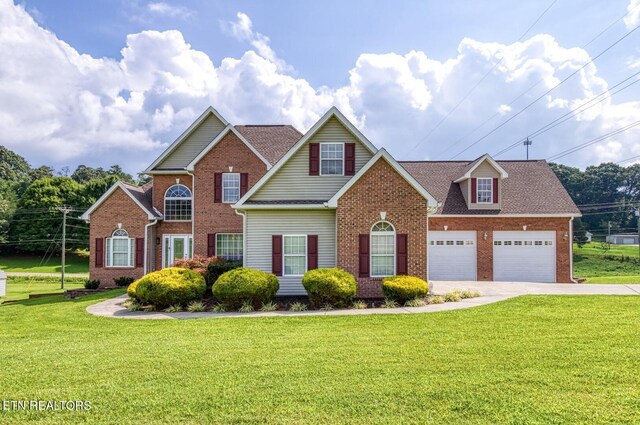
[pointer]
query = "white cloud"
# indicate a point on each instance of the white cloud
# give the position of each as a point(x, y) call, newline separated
point(633, 18)
point(166, 9)
point(126, 110)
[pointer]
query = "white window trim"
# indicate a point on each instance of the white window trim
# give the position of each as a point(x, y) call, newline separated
point(130, 251)
point(239, 188)
point(170, 235)
point(228, 233)
point(371, 254)
point(164, 205)
point(478, 190)
point(306, 256)
point(320, 158)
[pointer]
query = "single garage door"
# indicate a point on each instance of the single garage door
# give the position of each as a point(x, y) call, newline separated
point(524, 256)
point(452, 255)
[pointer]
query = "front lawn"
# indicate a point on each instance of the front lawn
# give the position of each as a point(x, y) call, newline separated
point(535, 359)
point(74, 263)
point(20, 287)
point(606, 267)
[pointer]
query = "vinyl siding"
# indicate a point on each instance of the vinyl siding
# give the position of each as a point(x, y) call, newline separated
point(193, 144)
point(293, 182)
point(261, 225)
point(485, 170)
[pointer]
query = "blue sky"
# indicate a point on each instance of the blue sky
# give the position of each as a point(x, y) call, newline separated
point(131, 75)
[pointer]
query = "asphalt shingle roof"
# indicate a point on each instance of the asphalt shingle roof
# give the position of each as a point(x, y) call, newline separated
point(531, 188)
point(143, 195)
point(272, 141)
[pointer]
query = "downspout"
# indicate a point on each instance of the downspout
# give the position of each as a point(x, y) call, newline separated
point(146, 245)
point(571, 250)
point(193, 209)
point(244, 236)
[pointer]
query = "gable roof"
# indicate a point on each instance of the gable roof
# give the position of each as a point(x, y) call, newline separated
point(218, 138)
point(531, 189)
point(333, 112)
point(272, 141)
point(141, 195)
point(209, 111)
point(475, 164)
point(384, 155)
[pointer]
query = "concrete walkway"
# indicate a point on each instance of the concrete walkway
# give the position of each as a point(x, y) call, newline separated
point(491, 292)
point(31, 274)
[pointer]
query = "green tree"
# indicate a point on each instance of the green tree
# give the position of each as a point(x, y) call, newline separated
point(13, 167)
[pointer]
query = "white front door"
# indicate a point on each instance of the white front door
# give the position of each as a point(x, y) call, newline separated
point(452, 255)
point(176, 247)
point(528, 256)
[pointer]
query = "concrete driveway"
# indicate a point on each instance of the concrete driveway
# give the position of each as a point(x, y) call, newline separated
point(511, 289)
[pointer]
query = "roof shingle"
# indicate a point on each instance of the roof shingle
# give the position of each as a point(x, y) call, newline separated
point(272, 141)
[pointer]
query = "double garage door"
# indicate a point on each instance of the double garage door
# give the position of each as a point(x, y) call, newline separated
point(528, 256)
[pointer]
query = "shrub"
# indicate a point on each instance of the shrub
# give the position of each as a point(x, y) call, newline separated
point(173, 309)
point(218, 267)
point(196, 307)
point(92, 284)
point(329, 286)
point(404, 288)
point(123, 281)
point(327, 307)
point(453, 296)
point(170, 286)
point(131, 290)
point(416, 302)
point(198, 264)
point(270, 306)
point(219, 308)
point(246, 307)
point(133, 306)
point(469, 294)
point(241, 285)
point(359, 305)
point(436, 299)
point(298, 307)
point(389, 303)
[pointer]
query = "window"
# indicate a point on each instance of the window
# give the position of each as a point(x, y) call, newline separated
point(383, 249)
point(517, 243)
point(120, 249)
point(230, 188)
point(177, 203)
point(295, 255)
point(449, 243)
point(331, 159)
point(458, 243)
point(497, 243)
point(538, 243)
point(548, 243)
point(439, 242)
point(229, 246)
point(485, 190)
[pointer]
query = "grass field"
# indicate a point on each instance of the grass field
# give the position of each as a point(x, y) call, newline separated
point(19, 288)
point(32, 264)
point(536, 359)
point(590, 262)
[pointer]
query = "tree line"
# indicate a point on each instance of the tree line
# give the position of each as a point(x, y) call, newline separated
point(30, 198)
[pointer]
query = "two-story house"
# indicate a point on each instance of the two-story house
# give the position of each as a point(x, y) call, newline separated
point(285, 203)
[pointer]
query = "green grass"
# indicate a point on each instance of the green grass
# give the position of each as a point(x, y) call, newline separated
point(31, 264)
point(19, 288)
point(590, 262)
point(535, 359)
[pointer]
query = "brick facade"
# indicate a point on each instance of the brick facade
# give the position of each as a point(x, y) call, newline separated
point(488, 225)
point(212, 217)
point(117, 208)
point(381, 189)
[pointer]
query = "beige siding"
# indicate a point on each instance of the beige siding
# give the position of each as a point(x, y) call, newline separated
point(293, 182)
point(464, 188)
point(484, 170)
point(261, 225)
point(193, 144)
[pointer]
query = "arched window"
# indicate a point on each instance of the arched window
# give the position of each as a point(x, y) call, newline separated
point(177, 203)
point(383, 249)
point(120, 249)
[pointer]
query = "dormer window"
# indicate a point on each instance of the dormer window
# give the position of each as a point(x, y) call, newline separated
point(485, 190)
point(331, 159)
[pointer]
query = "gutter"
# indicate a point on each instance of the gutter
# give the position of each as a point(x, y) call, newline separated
point(244, 235)
point(193, 216)
point(146, 245)
point(571, 250)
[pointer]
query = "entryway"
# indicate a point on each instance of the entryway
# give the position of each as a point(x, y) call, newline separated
point(176, 247)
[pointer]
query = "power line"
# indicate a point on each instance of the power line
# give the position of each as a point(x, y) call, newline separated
point(466, 96)
point(593, 141)
point(547, 92)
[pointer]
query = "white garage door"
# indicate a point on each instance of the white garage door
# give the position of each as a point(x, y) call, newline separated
point(524, 256)
point(452, 255)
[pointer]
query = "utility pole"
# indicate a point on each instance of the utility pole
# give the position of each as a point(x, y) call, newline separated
point(65, 210)
point(527, 143)
point(638, 219)
point(609, 226)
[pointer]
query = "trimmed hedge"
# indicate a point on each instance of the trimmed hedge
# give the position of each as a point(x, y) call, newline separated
point(131, 290)
point(92, 284)
point(243, 285)
point(123, 281)
point(217, 268)
point(329, 286)
point(171, 286)
point(404, 288)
